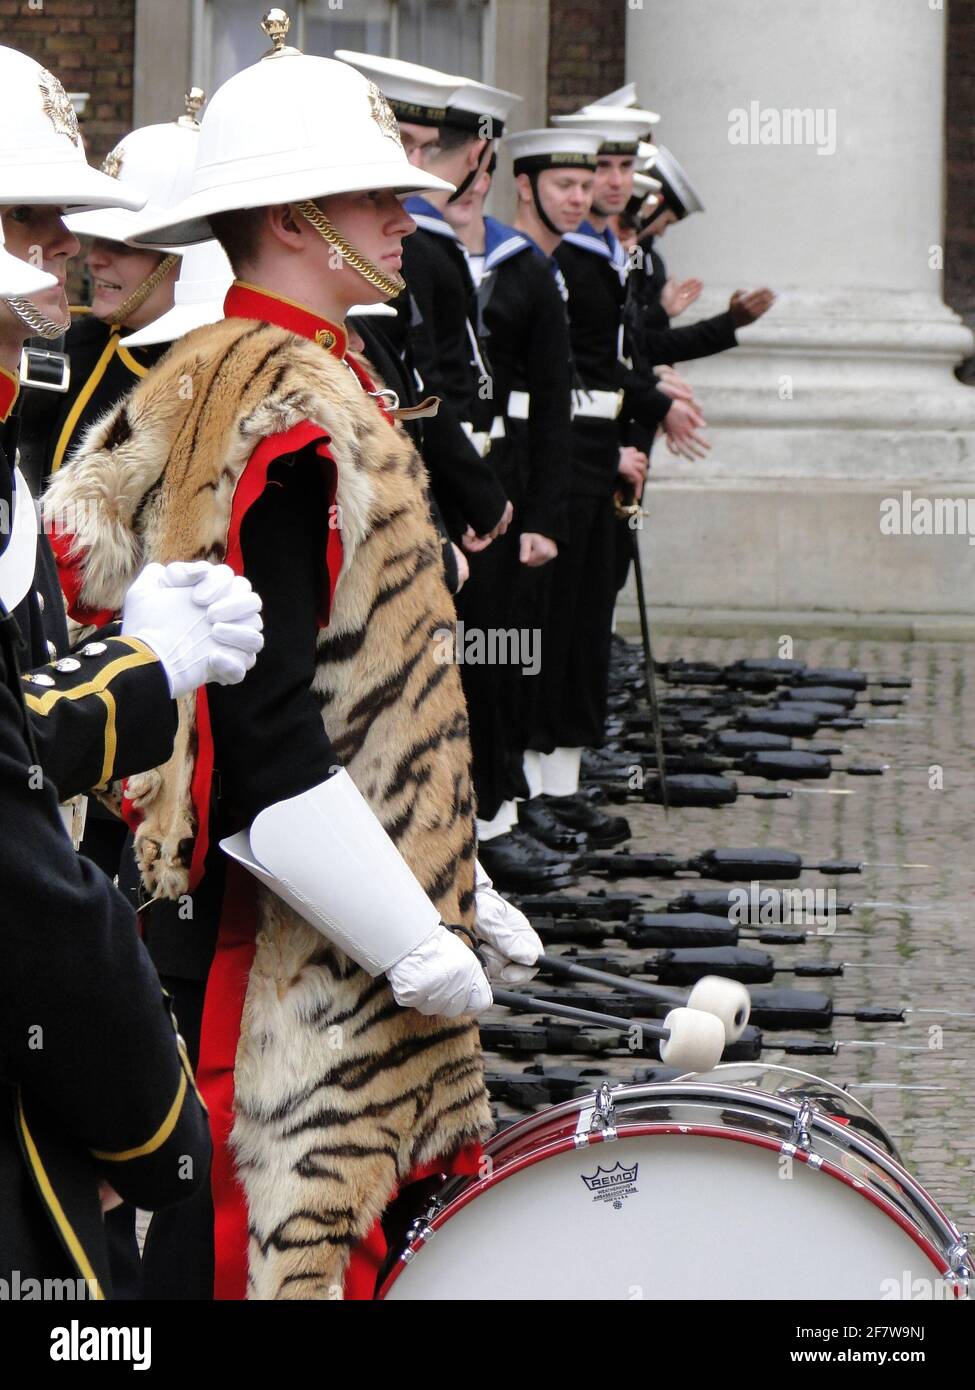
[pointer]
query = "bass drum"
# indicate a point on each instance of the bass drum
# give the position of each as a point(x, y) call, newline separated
point(747, 1182)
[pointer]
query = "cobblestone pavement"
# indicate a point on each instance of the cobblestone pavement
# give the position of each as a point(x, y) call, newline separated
point(917, 842)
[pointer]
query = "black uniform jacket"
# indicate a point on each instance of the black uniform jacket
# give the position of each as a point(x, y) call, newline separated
point(94, 1082)
point(527, 337)
point(102, 372)
point(467, 491)
point(597, 292)
point(436, 270)
point(384, 363)
point(650, 340)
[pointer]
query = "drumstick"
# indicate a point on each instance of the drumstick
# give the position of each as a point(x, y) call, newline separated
point(690, 1038)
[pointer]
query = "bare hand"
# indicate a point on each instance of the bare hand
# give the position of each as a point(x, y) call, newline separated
point(678, 295)
point(535, 550)
point(746, 307)
point(633, 467)
point(672, 384)
point(463, 568)
point(682, 425)
point(475, 543)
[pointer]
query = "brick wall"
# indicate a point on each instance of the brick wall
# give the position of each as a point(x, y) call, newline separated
point(960, 166)
point(89, 45)
point(586, 51)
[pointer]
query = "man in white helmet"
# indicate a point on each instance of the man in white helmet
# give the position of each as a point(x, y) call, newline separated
point(131, 287)
point(107, 1100)
point(44, 173)
point(337, 1048)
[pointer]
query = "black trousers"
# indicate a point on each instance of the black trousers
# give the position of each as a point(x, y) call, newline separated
point(571, 706)
point(177, 1261)
point(485, 605)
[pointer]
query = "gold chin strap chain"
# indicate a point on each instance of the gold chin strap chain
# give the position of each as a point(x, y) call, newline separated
point(139, 296)
point(38, 323)
point(390, 285)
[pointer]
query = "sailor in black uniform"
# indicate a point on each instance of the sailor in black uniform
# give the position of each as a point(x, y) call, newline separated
point(571, 710)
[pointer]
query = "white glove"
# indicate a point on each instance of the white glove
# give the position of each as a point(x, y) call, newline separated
point(512, 946)
point(201, 620)
point(440, 976)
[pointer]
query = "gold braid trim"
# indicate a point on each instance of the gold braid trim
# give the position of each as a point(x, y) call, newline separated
point(390, 285)
point(139, 296)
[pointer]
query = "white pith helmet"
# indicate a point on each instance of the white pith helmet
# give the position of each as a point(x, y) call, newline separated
point(42, 155)
point(159, 160)
point(205, 276)
point(19, 277)
point(287, 129)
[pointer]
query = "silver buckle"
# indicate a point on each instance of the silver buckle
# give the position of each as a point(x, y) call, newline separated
point(45, 370)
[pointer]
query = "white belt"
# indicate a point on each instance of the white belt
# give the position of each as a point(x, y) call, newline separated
point(481, 439)
point(519, 405)
point(74, 814)
point(597, 405)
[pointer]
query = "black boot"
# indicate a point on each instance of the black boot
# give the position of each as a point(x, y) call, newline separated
point(598, 764)
point(577, 812)
point(519, 864)
point(535, 817)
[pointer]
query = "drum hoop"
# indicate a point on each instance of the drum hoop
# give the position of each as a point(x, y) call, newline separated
point(568, 1144)
point(740, 1098)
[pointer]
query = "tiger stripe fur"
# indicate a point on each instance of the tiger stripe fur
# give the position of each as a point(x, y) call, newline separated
point(339, 1091)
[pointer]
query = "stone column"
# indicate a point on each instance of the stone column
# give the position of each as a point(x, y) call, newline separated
point(815, 134)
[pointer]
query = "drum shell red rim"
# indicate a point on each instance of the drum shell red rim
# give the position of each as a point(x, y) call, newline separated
point(568, 1142)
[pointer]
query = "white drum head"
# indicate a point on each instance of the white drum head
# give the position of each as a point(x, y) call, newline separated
point(676, 1216)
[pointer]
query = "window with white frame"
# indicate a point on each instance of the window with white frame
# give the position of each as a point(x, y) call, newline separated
point(446, 34)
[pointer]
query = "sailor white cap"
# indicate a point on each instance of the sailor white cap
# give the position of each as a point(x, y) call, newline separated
point(553, 148)
point(678, 191)
point(426, 96)
point(623, 96)
point(621, 128)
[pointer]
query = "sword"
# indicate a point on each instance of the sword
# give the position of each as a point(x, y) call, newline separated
point(627, 511)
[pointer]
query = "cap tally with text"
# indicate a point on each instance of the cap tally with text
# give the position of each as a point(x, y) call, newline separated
point(425, 96)
point(534, 150)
